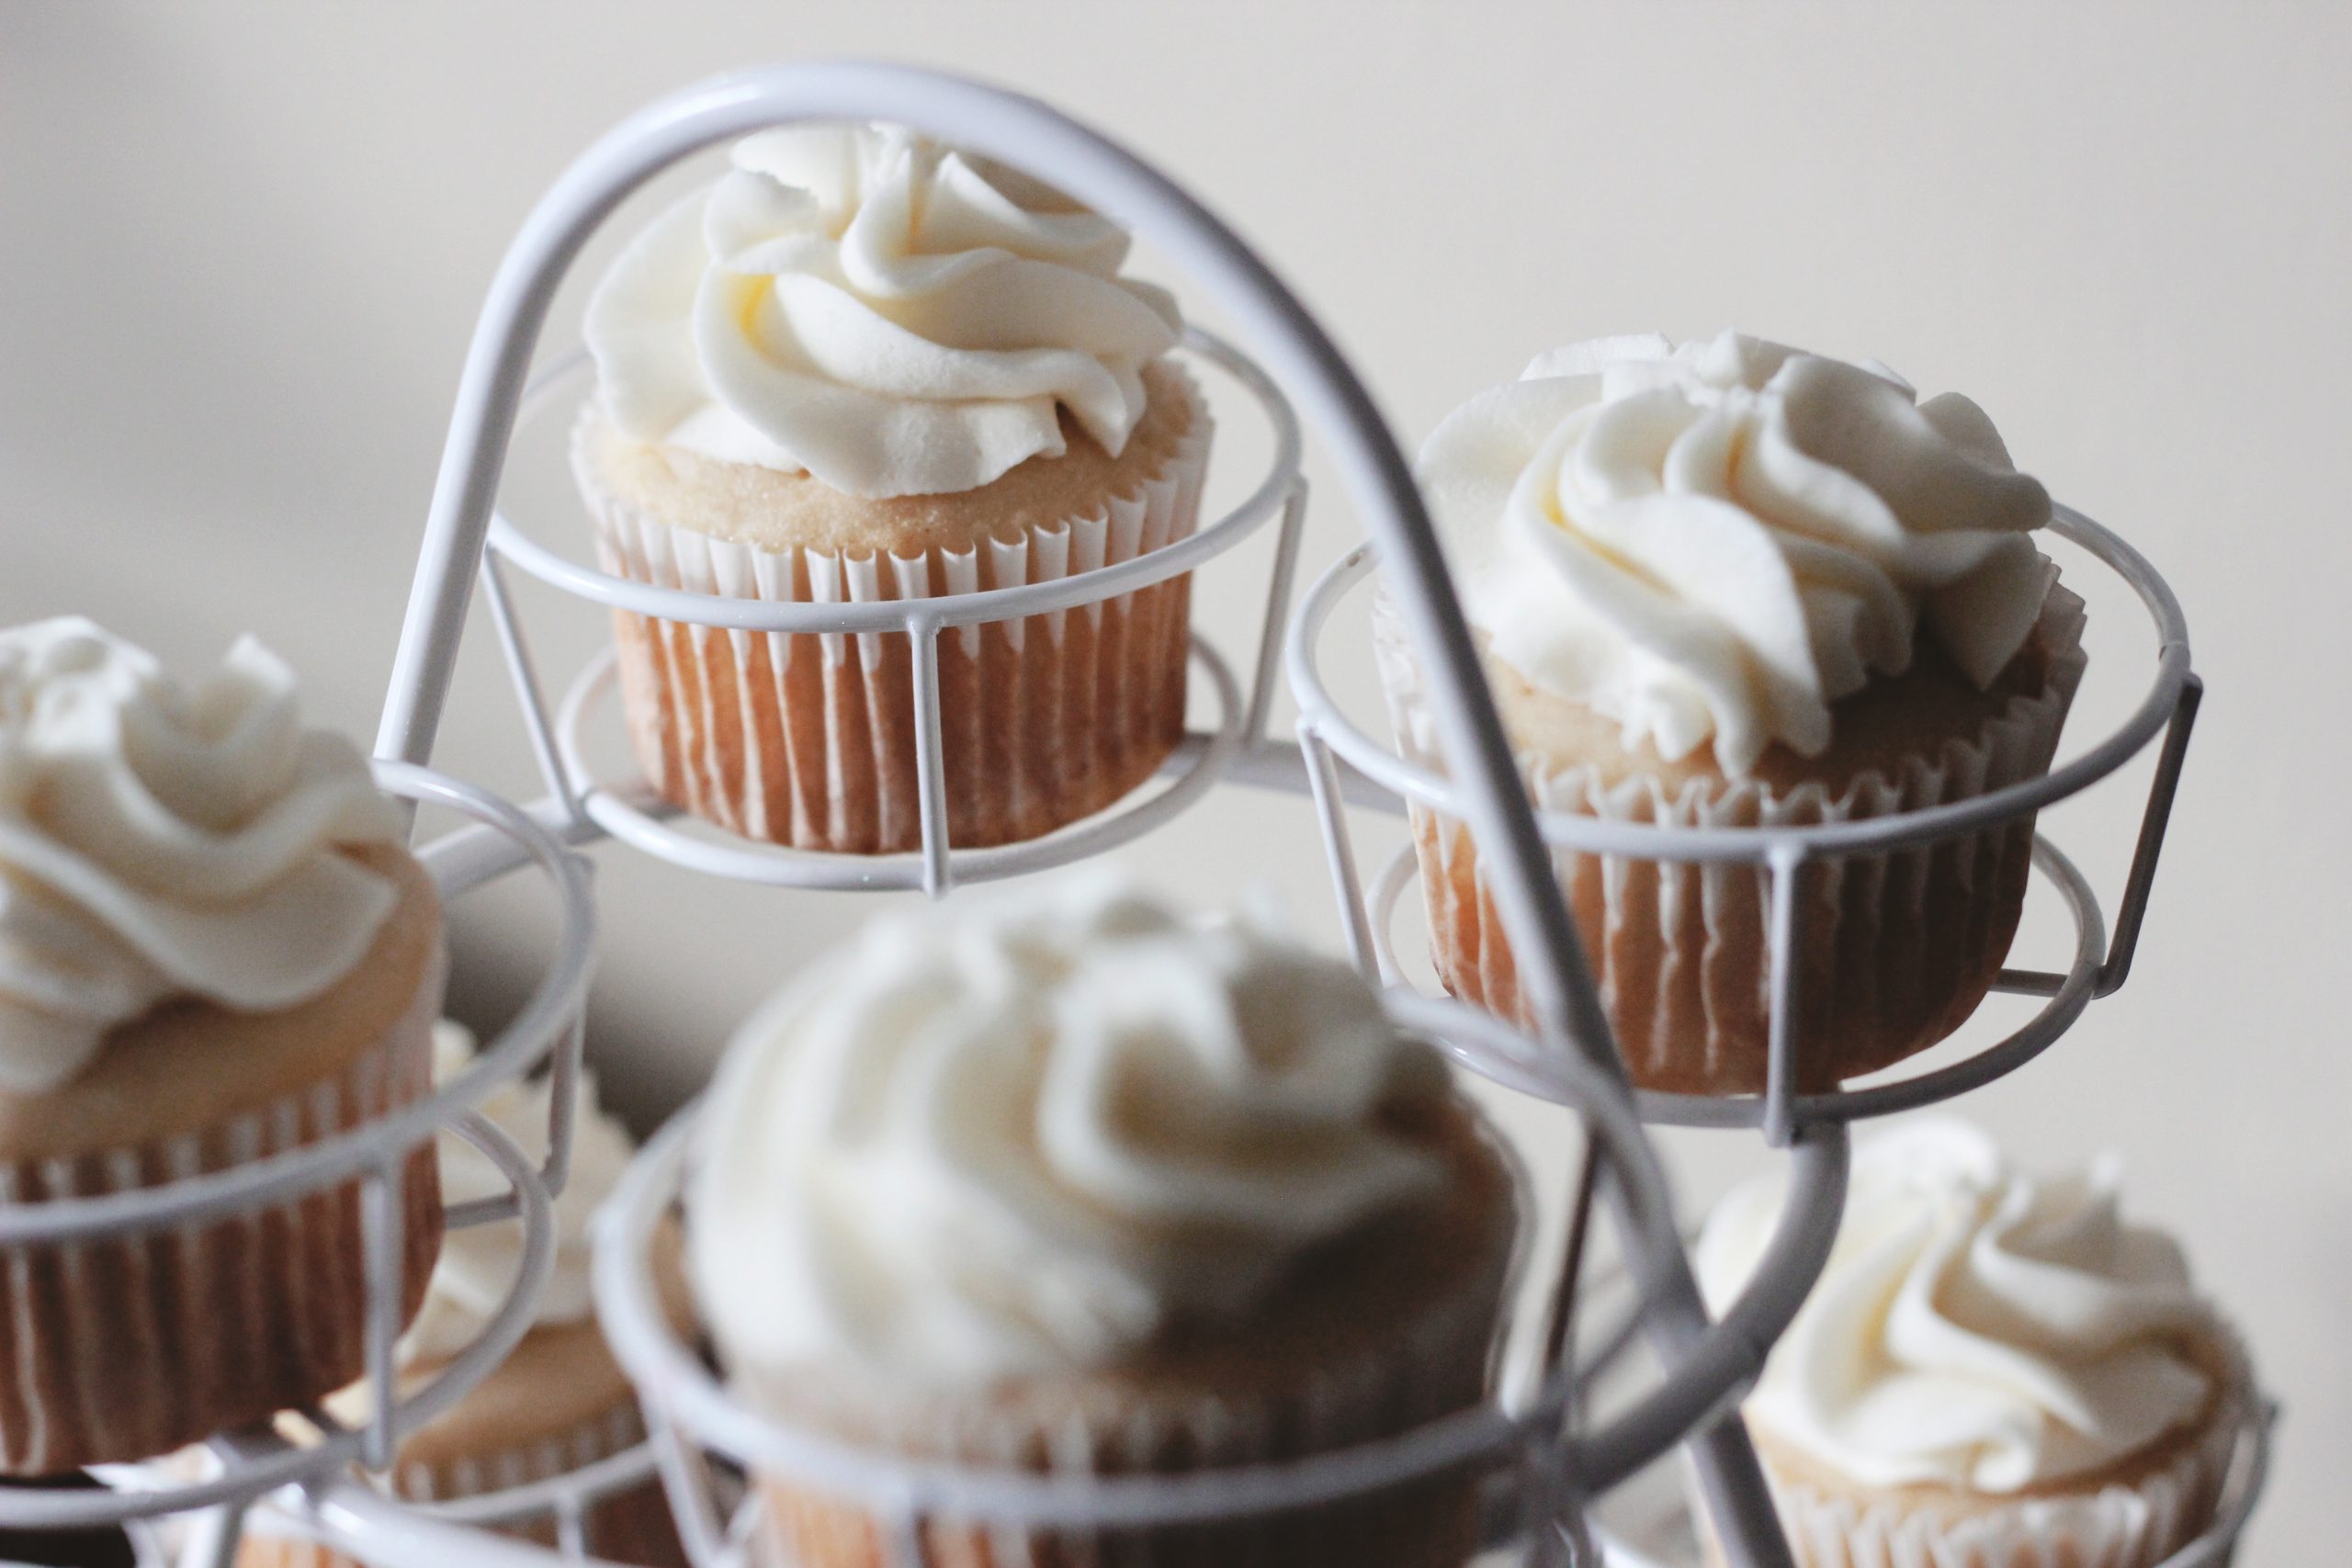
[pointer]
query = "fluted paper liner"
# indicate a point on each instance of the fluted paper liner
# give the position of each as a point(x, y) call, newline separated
point(1435, 1363)
point(131, 1346)
point(632, 1526)
point(808, 738)
point(1898, 948)
point(1436, 1372)
point(2134, 1522)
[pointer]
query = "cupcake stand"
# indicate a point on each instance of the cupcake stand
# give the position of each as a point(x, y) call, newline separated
point(1541, 1455)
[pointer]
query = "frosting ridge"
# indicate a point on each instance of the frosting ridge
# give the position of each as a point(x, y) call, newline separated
point(160, 839)
point(1976, 1328)
point(1029, 1135)
point(1712, 543)
point(893, 316)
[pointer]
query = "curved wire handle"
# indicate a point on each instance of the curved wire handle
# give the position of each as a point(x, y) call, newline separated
point(1024, 132)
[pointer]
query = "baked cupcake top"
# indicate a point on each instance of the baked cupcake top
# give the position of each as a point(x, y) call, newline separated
point(1976, 1328)
point(1714, 543)
point(889, 315)
point(1032, 1137)
point(160, 840)
point(478, 1264)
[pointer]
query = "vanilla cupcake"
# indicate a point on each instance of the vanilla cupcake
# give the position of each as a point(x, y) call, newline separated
point(560, 1402)
point(863, 367)
point(1996, 1371)
point(1071, 1184)
point(1731, 584)
point(213, 951)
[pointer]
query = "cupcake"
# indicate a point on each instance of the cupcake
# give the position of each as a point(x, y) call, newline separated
point(1073, 1185)
point(863, 367)
point(558, 1402)
point(213, 951)
point(1731, 584)
point(1996, 1371)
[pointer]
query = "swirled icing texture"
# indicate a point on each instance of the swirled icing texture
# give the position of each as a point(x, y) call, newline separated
point(1026, 1137)
point(1717, 542)
point(894, 316)
point(159, 840)
point(1976, 1328)
point(478, 1264)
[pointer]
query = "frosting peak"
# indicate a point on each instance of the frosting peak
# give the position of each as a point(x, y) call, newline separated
point(892, 316)
point(1029, 1135)
point(1715, 542)
point(159, 840)
point(1976, 1328)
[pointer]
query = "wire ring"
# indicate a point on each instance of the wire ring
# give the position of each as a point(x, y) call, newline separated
point(1103, 583)
point(1759, 845)
point(679, 1389)
point(529, 1038)
point(259, 1461)
point(632, 814)
point(2057, 1014)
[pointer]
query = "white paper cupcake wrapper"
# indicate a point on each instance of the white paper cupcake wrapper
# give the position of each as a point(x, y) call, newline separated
point(522, 1464)
point(808, 739)
point(1440, 1370)
point(1898, 948)
point(632, 1526)
point(2121, 1525)
point(122, 1349)
point(1437, 1364)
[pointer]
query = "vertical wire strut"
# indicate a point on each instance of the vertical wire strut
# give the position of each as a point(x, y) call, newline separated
point(2133, 911)
point(1278, 598)
point(693, 1502)
point(1787, 865)
point(382, 1220)
point(525, 671)
point(930, 768)
point(1330, 811)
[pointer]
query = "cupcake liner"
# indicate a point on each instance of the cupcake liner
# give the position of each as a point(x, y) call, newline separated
point(130, 1346)
point(2135, 1521)
point(1431, 1523)
point(1437, 1364)
point(632, 1526)
point(629, 1526)
point(808, 738)
point(542, 1458)
point(1898, 948)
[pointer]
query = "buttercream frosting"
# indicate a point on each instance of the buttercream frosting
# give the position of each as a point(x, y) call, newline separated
point(1976, 1328)
point(160, 839)
point(889, 315)
point(1028, 1137)
point(478, 1264)
point(1712, 543)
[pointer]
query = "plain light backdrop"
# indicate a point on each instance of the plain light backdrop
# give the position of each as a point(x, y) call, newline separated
point(242, 245)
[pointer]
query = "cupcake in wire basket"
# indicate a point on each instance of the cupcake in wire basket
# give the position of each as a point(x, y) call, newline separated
point(1733, 584)
point(213, 951)
point(1073, 1184)
point(560, 1402)
point(865, 366)
point(1996, 1371)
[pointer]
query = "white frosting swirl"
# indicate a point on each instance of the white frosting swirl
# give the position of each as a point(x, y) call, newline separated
point(159, 841)
point(1976, 1328)
point(1027, 1137)
point(895, 317)
point(1718, 541)
point(478, 1264)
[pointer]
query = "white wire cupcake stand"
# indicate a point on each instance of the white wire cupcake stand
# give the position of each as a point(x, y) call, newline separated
point(1542, 1456)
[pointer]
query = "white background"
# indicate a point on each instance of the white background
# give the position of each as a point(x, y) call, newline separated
point(241, 248)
